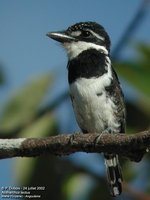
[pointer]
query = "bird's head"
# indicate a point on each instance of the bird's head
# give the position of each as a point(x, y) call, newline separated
point(81, 37)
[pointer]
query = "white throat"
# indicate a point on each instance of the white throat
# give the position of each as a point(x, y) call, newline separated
point(76, 48)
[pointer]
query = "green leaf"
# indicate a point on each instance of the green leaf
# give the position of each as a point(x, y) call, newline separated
point(144, 52)
point(73, 190)
point(137, 72)
point(136, 75)
point(129, 171)
point(22, 107)
point(44, 126)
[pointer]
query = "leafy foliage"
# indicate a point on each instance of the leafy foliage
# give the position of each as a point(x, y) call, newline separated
point(137, 72)
point(22, 107)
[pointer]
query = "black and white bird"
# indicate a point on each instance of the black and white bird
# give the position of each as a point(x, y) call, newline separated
point(95, 90)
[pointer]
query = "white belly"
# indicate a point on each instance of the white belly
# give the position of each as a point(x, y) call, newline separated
point(94, 113)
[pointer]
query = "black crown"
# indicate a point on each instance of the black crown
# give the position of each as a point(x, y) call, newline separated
point(97, 28)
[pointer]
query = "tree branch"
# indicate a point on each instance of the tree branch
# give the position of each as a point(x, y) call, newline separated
point(131, 146)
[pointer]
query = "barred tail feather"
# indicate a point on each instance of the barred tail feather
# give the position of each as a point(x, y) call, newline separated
point(114, 174)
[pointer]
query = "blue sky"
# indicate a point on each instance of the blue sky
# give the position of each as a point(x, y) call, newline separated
point(26, 52)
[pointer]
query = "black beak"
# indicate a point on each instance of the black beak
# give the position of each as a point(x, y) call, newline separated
point(60, 36)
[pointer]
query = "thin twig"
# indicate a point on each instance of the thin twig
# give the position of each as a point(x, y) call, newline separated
point(131, 28)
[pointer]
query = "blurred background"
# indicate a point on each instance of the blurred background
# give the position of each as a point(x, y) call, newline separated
point(34, 92)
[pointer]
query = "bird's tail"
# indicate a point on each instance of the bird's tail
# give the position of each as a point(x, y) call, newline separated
point(114, 174)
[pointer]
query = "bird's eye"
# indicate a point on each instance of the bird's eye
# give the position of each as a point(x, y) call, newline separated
point(85, 33)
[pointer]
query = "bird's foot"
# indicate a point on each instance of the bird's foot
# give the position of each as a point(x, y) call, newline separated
point(98, 138)
point(72, 136)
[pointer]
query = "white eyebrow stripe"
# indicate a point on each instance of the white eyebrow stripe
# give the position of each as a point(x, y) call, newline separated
point(96, 35)
point(76, 33)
